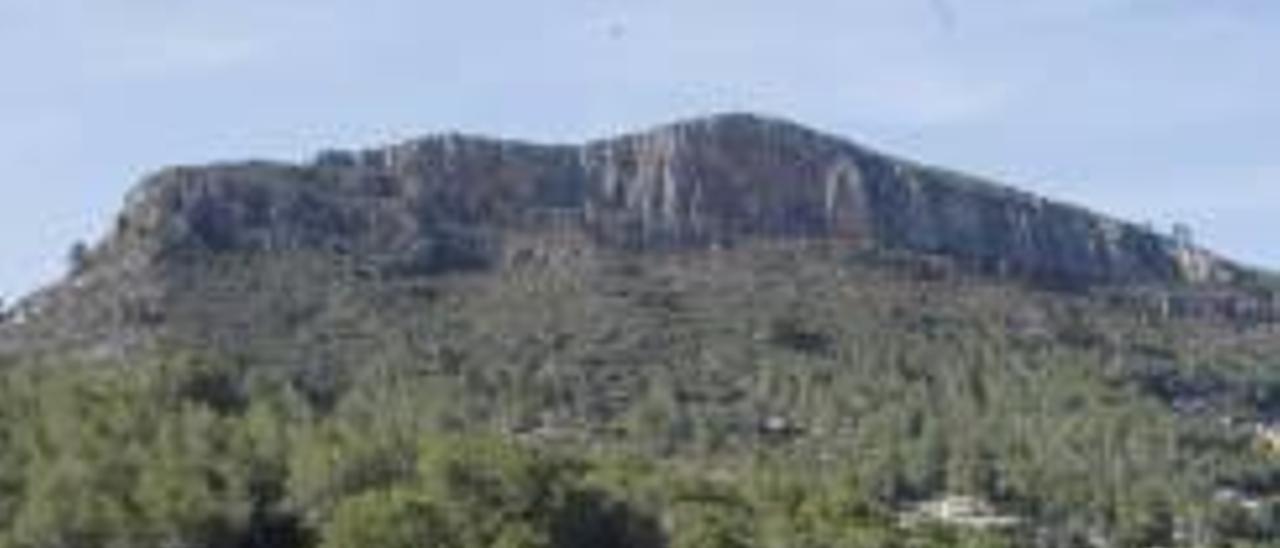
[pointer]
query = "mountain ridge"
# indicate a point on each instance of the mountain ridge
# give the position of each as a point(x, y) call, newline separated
point(826, 341)
point(453, 203)
point(702, 182)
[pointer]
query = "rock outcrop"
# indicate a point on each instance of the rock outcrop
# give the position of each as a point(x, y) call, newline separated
point(306, 264)
point(447, 200)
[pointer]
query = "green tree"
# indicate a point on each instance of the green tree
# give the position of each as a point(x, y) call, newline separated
point(394, 518)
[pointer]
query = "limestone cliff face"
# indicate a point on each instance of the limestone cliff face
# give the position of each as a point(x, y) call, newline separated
point(454, 200)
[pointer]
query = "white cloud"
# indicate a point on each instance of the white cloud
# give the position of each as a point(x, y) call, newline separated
point(81, 42)
point(170, 52)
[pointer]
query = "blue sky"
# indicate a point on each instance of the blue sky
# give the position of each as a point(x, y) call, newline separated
point(1154, 110)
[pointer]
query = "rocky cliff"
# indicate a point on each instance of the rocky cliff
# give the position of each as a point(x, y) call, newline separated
point(448, 200)
point(215, 256)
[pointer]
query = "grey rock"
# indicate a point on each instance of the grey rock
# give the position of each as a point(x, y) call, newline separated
point(447, 201)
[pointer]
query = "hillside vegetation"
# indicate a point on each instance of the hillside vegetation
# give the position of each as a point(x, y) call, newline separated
point(766, 397)
point(724, 333)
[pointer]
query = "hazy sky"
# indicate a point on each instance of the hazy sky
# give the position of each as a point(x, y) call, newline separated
point(1157, 110)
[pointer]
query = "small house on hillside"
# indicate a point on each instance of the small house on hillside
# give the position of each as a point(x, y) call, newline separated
point(962, 511)
point(1269, 437)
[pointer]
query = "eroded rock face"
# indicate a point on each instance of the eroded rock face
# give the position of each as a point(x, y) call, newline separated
point(449, 200)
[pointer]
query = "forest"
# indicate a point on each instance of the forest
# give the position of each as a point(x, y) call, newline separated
point(762, 397)
point(183, 451)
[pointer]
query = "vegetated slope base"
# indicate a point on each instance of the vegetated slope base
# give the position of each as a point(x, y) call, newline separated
point(604, 326)
point(1086, 416)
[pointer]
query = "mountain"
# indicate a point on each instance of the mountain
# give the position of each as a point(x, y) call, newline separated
point(796, 339)
point(195, 246)
point(698, 184)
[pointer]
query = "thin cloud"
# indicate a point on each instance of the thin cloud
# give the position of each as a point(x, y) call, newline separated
point(171, 53)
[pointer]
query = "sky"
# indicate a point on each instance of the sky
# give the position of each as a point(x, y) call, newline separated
point(1156, 111)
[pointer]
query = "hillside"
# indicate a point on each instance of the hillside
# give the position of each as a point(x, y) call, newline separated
point(455, 203)
point(734, 297)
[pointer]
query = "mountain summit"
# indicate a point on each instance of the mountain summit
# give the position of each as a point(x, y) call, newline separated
point(209, 255)
point(709, 182)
